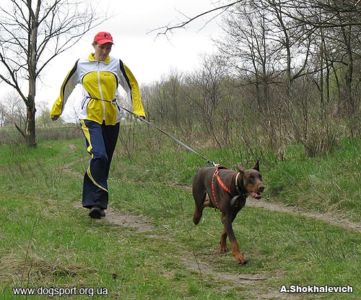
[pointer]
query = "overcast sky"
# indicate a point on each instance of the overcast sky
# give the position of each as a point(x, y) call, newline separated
point(148, 56)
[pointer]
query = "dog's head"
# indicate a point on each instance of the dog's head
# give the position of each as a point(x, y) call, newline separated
point(251, 181)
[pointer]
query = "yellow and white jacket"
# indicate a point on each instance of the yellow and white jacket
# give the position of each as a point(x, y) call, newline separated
point(99, 81)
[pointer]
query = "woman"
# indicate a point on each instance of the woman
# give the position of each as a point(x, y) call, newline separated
point(99, 76)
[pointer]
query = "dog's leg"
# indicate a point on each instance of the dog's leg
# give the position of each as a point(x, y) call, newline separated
point(227, 222)
point(199, 195)
point(223, 242)
point(198, 208)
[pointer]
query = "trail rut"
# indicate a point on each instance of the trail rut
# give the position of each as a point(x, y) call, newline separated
point(325, 217)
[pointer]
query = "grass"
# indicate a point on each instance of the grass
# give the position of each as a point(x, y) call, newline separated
point(325, 184)
point(47, 240)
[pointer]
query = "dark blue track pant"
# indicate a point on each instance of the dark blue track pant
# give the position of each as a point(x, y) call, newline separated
point(100, 141)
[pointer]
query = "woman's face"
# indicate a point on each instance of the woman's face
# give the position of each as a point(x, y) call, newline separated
point(102, 51)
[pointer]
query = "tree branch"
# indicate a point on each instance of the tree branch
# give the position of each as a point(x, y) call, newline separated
point(20, 130)
point(166, 29)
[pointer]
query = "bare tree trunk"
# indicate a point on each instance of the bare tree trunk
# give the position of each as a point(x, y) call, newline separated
point(32, 65)
point(30, 133)
point(349, 73)
point(322, 78)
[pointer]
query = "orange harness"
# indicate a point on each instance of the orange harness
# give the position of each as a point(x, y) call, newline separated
point(219, 180)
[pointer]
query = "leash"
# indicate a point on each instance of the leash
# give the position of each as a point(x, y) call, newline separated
point(169, 135)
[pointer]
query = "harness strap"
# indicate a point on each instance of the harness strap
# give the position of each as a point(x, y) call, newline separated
point(213, 187)
point(224, 187)
point(222, 184)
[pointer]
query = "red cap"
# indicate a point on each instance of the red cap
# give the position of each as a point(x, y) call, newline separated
point(102, 38)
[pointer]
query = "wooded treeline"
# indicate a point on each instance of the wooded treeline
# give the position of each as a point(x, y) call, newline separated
point(285, 72)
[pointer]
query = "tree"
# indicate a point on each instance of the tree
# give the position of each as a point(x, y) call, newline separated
point(207, 94)
point(337, 27)
point(12, 111)
point(33, 33)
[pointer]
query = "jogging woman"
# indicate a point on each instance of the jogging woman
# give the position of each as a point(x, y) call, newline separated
point(99, 76)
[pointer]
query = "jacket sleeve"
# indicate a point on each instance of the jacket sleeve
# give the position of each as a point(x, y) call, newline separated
point(69, 83)
point(130, 85)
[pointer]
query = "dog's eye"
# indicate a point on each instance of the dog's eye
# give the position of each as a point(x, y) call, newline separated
point(252, 179)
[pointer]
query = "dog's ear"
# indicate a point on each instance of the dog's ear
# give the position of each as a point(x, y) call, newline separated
point(240, 169)
point(256, 166)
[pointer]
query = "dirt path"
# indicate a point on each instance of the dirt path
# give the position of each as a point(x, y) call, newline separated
point(258, 283)
point(190, 261)
point(325, 217)
point(259, 289)
point(141, 225)
point(136, 222)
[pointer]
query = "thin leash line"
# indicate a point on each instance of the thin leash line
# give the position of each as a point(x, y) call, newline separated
point(170, 136)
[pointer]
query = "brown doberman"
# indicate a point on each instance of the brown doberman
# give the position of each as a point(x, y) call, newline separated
point(227, 191)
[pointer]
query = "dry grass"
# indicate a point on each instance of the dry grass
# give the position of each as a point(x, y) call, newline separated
point(15, 268)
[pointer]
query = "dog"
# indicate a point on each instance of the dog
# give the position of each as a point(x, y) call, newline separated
point(227, 191)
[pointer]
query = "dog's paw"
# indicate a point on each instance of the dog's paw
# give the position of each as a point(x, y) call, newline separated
point(223, 249)
point(241, 259)
point(196, 218)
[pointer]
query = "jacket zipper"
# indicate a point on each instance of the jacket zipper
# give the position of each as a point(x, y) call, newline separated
point(101, 92)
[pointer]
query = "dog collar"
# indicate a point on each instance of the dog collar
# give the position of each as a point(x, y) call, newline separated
point(236, 183)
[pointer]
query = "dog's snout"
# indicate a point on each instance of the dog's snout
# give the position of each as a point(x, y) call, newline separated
point(261, 189)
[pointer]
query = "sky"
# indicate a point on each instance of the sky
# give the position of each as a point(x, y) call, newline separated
point(150, 57)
